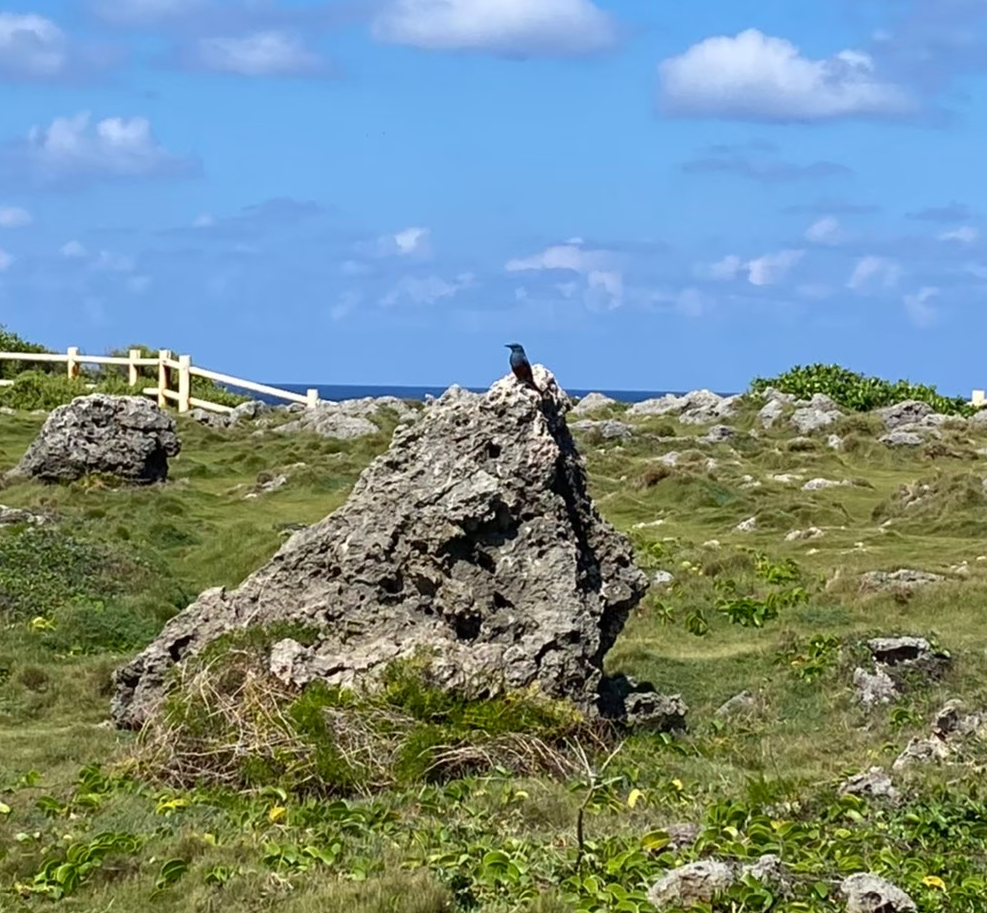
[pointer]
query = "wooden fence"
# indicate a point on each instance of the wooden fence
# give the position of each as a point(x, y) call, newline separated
point(174, 377)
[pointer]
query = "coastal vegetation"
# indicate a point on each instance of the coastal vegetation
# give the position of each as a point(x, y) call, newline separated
point(760, 614)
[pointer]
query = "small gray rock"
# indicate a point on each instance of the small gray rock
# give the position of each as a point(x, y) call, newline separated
point(593, 402)
point(335, 425)
point(695, 882)
point(834, 442)
point(904, 413)
point(771, 412)
point(682, 834)
point(875, 782)
point(874, 688)
point(249, 411)
point(662, 578)
point(900, 438)
point(867, 893)
point(739, 703)
point(823, 484)
point(608, 429)
point(718, 434)
point(901, 579)
point(211, 419)
point(930, 750)
point(11, 516)
point(894, 650)
point(772, 872)
point(809, 419)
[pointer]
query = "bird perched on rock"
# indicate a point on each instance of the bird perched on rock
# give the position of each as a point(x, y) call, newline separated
point(521, 366)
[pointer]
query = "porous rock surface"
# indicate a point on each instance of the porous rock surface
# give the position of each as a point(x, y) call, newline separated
point(128, 437)
point(473, 534)
point(868, 893)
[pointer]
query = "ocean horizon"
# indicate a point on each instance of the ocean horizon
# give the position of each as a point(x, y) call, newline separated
point(337, 392)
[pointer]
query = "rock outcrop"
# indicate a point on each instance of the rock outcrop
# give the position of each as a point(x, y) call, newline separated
point(473, 536)
point(593, 402)
point(867, 893)
point(127, 437)
point(699, 407)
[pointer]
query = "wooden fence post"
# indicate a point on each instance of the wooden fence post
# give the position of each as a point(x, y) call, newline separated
point(184, 382)
point(312, 395)
point(72, 362)
point(164, 376)
point(133, 373)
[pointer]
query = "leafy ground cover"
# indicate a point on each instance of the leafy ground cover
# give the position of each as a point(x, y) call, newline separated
point(782, 618)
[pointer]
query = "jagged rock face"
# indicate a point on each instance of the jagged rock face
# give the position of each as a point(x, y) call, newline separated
point(473, 534)
point(128, 437)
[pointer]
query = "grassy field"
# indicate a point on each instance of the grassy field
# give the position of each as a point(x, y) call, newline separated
point(782, 618)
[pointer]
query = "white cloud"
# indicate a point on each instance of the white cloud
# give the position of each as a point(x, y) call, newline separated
point(14, 217)
point(871, 270)
point(824, 231)
point(753, 76)
point(5, 260)
point(411, 240)
point(204, 220)
point(604, 282)
point(266, 53)
point(965, 234)
point(73, 250)
point(505, 27)
point(724, 270)
point(977, 269)
point(768, 269)
point(772, 268)
point(427, 289)
point(76, 148)
point(604, 288)
point(917, 306)
point(563, 256)
point(31, 47)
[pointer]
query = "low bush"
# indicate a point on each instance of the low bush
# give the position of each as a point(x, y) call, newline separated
point(856, 391)
point(229, 722)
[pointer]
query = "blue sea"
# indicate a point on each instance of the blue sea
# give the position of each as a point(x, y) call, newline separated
point(354, 391)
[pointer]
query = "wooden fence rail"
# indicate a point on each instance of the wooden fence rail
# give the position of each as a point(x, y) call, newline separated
point(174, 377)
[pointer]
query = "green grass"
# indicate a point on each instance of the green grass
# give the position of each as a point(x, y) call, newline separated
point(79, 600)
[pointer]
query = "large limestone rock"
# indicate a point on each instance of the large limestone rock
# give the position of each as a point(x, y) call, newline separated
point(128, 437)
point(473, 535)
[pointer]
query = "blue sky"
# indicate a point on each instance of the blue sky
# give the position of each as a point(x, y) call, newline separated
point(648, 195)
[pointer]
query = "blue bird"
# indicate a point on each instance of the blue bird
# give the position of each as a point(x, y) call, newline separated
point(521, 366)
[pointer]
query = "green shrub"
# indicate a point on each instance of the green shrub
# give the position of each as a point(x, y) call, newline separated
point(36, 390)
point(11, 342)
point(43, 569)
point(46, 385)
point(858, 392)
point(88, 626)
